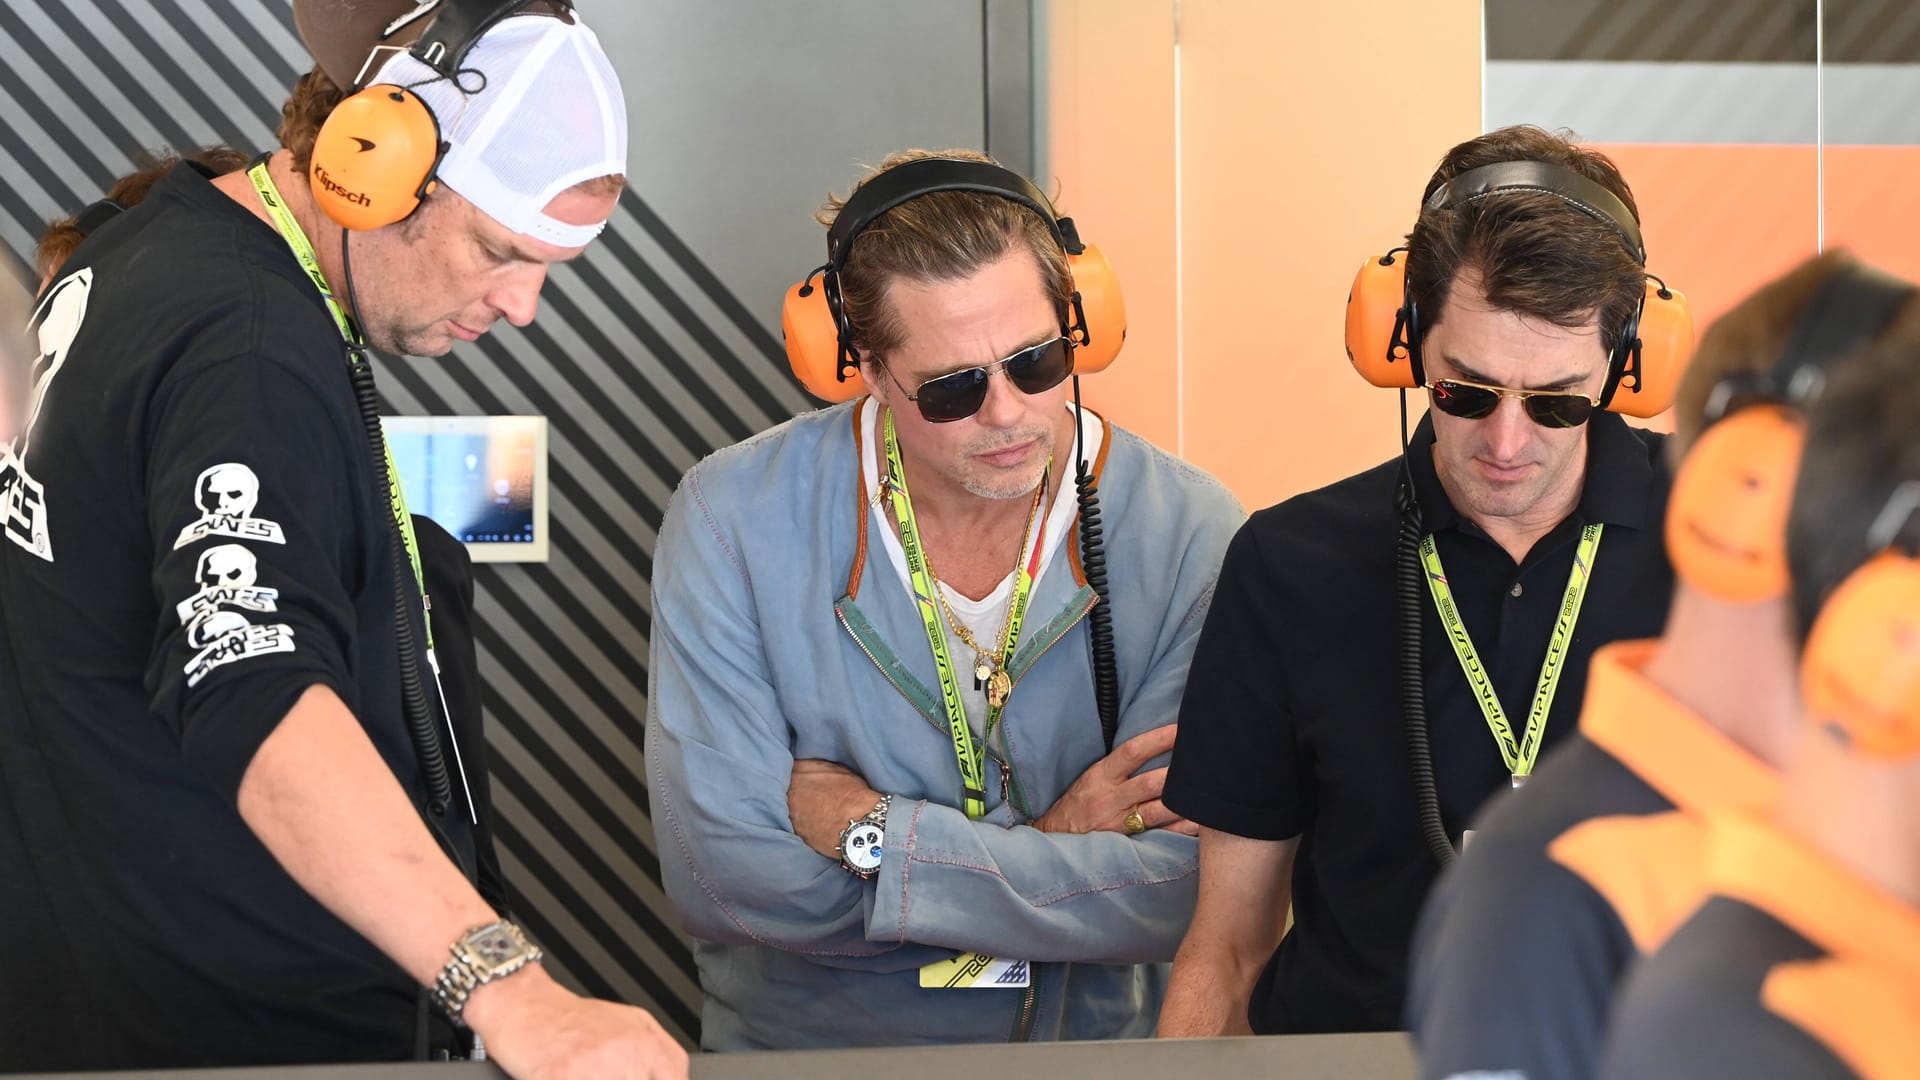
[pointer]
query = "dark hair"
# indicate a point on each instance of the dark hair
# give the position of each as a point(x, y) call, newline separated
point(1534, 253)
point(1863, 443)
point(1750, 338)
point(64, 235)
point(945, 236)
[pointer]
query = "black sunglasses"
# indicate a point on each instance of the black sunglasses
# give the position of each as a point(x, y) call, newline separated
point(959, 394)
point(1475, 401)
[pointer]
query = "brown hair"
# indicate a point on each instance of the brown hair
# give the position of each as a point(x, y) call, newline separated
point(1749, 339)
point(944, 236)
point(313, 99)
point(63, 235)
point(1534, 253)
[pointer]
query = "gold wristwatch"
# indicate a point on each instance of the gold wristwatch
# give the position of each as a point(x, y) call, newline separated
point(481, 955)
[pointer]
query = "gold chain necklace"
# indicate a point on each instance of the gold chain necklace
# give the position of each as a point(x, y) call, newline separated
point(987, 668)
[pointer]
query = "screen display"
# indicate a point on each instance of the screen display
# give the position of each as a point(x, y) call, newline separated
point(477, 477)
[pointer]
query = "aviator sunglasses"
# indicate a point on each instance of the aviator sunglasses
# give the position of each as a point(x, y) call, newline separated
point(959, 394)
point(1475, 401)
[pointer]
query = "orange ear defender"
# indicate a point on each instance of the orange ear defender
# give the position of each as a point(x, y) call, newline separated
point(1727, 515)
point(818, 339)
point(1383, 324)
point(375, 156)
point(1860, 672)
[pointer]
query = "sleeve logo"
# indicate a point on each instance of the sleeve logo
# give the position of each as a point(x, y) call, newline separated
point(227, 495)
point(227, 576)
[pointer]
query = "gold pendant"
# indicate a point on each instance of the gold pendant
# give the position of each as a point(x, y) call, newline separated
point(981, 672)
point(999, 686)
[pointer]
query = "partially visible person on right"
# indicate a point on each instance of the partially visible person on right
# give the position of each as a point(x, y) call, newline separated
point(1805, 960)
point(1571, 879)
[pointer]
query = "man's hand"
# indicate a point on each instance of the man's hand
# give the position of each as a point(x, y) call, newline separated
point(537, 1029)
point(1104, 794)
point(821, 798)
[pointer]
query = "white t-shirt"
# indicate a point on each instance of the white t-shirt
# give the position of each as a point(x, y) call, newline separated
point(984, 617)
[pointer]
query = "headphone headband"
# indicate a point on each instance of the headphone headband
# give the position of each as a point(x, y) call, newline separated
point(460, 24)
point(1854, 305)
point(1583, 194)
point(453, 29)
point(913, 179)
point(814, 323)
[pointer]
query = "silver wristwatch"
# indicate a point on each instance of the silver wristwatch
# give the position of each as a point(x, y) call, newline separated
point(861, 841)
point(482, 954)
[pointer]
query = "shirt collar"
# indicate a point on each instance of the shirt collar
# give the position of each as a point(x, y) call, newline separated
point(1667, 745)
point(1619, 476)
point(1758, 863)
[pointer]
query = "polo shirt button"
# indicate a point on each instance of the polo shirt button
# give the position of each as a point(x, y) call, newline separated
point(1515, 591)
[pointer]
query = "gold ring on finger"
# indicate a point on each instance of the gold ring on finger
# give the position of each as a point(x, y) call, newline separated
point(1134, 823)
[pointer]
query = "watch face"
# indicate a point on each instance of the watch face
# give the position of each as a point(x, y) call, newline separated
point(862, 849)
point(496, 946)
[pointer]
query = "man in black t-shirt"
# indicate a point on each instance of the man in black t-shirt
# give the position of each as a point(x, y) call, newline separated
point(1538, 523)
point(224, 839)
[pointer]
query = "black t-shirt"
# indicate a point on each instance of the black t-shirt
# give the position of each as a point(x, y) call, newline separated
point(1572, 879)
point(192, 539)
point(1292, 722)
point(1795, 967)
point(1693, 1010)
point(1559, 944)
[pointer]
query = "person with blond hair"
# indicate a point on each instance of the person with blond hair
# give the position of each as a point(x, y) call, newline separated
point(905, 716)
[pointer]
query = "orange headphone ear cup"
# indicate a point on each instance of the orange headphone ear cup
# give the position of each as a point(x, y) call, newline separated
point(1104, 308)
point(1727, 515)
point(374, 158)
point(1861, 669)
point(1373, 322)
point(1665, 331)
point(813, 343)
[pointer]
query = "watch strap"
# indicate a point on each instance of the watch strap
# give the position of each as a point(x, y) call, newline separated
point(467, 972)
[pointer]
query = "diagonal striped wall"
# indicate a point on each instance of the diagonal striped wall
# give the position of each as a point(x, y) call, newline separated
point(643, 357)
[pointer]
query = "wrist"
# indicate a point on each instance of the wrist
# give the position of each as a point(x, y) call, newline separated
point(862, 842)
point(478, 959)
point(499, 1001)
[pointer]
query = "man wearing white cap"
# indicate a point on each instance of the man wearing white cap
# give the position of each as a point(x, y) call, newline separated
point(234, 824)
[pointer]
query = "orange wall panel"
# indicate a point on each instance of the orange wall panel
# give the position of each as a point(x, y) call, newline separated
point(1110, 115)
point(1873, 205)
point(1720, 221)
point(1308, 133)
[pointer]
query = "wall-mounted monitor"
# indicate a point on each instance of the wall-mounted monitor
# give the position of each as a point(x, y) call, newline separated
point(481, 478)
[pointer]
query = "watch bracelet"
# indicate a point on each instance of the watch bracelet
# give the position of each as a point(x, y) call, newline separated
point(456, 981)
point(876, 817)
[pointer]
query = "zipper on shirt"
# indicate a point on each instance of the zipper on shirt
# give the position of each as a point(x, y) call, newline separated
point(1011, 788)
point(1023, 1020)
point(1026, 810)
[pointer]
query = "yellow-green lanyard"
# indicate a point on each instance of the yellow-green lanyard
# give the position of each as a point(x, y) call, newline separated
point(296, 239)
point(1519, 757)
point(971, 756)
